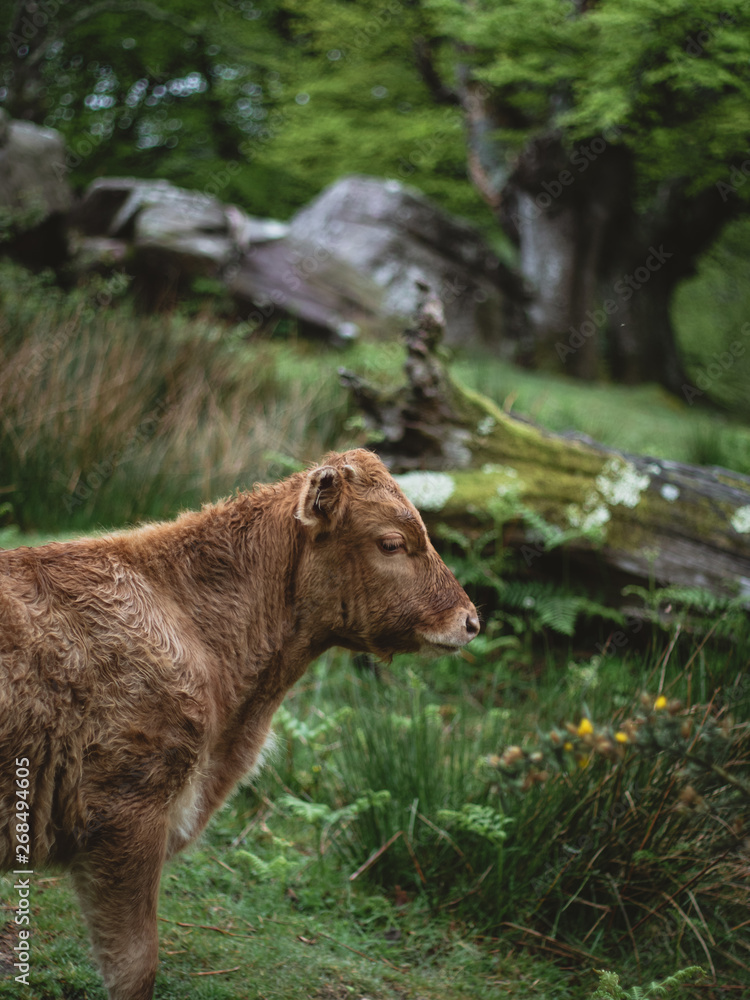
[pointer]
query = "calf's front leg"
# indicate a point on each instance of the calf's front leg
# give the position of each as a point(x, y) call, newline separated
point(118, 888)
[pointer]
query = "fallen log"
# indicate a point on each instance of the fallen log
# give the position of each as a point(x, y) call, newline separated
point(460, 457)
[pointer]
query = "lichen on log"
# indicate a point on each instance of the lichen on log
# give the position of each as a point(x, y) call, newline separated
point(456, 453)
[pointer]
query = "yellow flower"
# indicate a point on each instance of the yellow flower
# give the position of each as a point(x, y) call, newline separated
point(621, 737)
point(567, 745)
point(660, 703)
point(585, 727)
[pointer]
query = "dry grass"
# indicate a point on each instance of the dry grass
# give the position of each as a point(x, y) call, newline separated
point(109, 417)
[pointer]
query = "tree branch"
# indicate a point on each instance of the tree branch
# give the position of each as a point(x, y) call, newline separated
point(440, 92)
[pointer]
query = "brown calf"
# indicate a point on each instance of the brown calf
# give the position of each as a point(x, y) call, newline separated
point(139, 672)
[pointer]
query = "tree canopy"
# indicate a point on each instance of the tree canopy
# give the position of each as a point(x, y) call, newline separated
point(304, 90)
point(176, 91)
point(670, 79)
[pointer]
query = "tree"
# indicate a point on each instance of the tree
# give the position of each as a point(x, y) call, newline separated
point(233, 97)
point(610, 141)
point(622, 122)
point(182, 89)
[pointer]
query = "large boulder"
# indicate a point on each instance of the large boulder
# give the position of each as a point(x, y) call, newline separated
point(351, 260)
point(34, 192)
point(358, 253)
point(167, 233)
point(302, 278)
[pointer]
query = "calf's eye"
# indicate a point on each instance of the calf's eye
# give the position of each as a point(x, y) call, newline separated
point(391, 543)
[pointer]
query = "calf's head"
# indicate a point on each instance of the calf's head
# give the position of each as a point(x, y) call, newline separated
point(369, 571)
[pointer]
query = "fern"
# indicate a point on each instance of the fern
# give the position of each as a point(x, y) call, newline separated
point(331, 822)
point(699, 608)
point(609, 986)
point(524, 606)
point(548, 606)
point(483, 821)
point(695, 598)
point(482, 558)
point(314, 736)
point(550, 535)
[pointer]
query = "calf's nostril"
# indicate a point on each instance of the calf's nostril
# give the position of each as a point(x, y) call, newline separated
point(472, 625)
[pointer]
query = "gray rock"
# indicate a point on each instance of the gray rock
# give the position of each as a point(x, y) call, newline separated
point(397, 237)
point(187, 230)
point(349, 261)
point(32, 168)
point(304, 279)
point(34, 192)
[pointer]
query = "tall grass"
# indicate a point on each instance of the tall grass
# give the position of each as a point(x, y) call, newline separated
point(511, 814)
point(109, 417)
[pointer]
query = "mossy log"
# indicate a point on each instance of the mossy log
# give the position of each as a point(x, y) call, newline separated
point(458, 454)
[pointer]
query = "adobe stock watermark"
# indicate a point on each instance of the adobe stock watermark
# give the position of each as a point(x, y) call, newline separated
point(451, 289)
point(159, 85)
point(299, 269)
point(625, 287)
point(114, 286)
point(581, 158)
point(22, 834)
point(717, 368)
point(49, 350)
point(82, 148)
point(38, 15)
point(738, 177)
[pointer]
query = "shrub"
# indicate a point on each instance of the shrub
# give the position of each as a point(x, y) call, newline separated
point(616, 838)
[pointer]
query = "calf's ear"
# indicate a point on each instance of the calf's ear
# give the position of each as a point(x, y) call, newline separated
point(321, 495)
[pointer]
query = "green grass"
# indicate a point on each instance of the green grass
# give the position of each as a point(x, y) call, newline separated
point(308, 938)
point(643, 419)
point(267, 893)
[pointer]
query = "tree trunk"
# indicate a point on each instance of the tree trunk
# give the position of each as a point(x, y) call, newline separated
point(600, 289)
point(599, 277)
point(27, 42)
point(460, 456)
